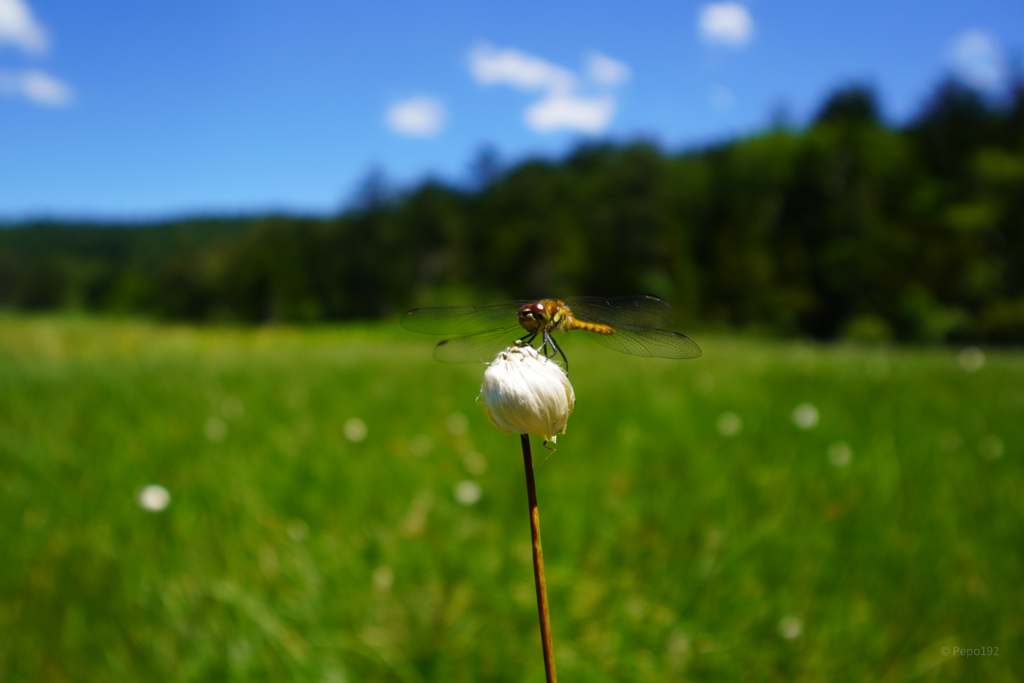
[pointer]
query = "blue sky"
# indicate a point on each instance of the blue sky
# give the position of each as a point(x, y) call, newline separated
point(140, 110)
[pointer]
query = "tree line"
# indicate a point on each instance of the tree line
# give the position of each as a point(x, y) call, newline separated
point(849, 227)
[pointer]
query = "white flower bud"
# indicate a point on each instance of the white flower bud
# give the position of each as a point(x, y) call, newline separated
point(525, 393)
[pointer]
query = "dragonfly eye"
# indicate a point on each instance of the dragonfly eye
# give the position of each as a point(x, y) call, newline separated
point(532, 311)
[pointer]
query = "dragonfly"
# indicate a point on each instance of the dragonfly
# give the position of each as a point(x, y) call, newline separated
point(629, 324)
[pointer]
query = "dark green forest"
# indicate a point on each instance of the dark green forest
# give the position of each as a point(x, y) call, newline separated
point(849, 227)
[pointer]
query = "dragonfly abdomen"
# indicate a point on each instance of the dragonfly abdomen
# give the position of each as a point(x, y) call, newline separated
point(591, 327)
point(563, 318)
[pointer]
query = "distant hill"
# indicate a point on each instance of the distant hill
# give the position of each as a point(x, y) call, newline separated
point(850, 227)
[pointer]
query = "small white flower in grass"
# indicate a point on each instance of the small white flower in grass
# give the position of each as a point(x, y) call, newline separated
point(268, 561)
point(703, 382)
point(421, 445)
point(154, 498)
point(790, 627)
point(468, 492)
point(840, 454)
point(456, 423)
point(729, 424)
point(950, 440)
point(383, 577)
point(525, 393)
point(679, 647)
point(298, 530)
point(216, 429)
point(991, 447)
point(355, 429)
point(474, 463)
point(971, 359)
point(232, 408)
point(805, 416)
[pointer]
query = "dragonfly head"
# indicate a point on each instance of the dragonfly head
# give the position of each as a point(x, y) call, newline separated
point(534, 317)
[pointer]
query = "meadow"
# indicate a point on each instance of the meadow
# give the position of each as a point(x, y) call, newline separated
point(340, 510)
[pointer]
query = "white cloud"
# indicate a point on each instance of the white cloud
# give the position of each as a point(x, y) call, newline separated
point(728, 23)
point(722, 98)
point(607, 71)
point(568, 111)
point(45, 89)
point(977, 58)
point(36, 86)
point(418, 117)
point(518, 69)
point(562, 106)
point(19, 27)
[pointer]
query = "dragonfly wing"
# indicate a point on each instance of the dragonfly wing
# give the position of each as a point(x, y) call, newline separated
point(641, 311)
point(481, 347)
point(641, 341)
point(462, 319)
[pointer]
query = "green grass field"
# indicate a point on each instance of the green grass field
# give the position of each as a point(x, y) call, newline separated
point(692, 530)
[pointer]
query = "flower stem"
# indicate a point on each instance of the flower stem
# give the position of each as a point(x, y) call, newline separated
point(538, 565)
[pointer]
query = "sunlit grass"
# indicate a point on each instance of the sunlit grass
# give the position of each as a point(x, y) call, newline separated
point(341, 510)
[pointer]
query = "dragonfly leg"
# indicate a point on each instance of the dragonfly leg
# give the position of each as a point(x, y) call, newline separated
point(547, 348)
point(548, 339)
point(528, 338)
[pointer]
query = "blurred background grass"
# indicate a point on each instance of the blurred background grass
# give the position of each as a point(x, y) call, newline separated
point(342, 511)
